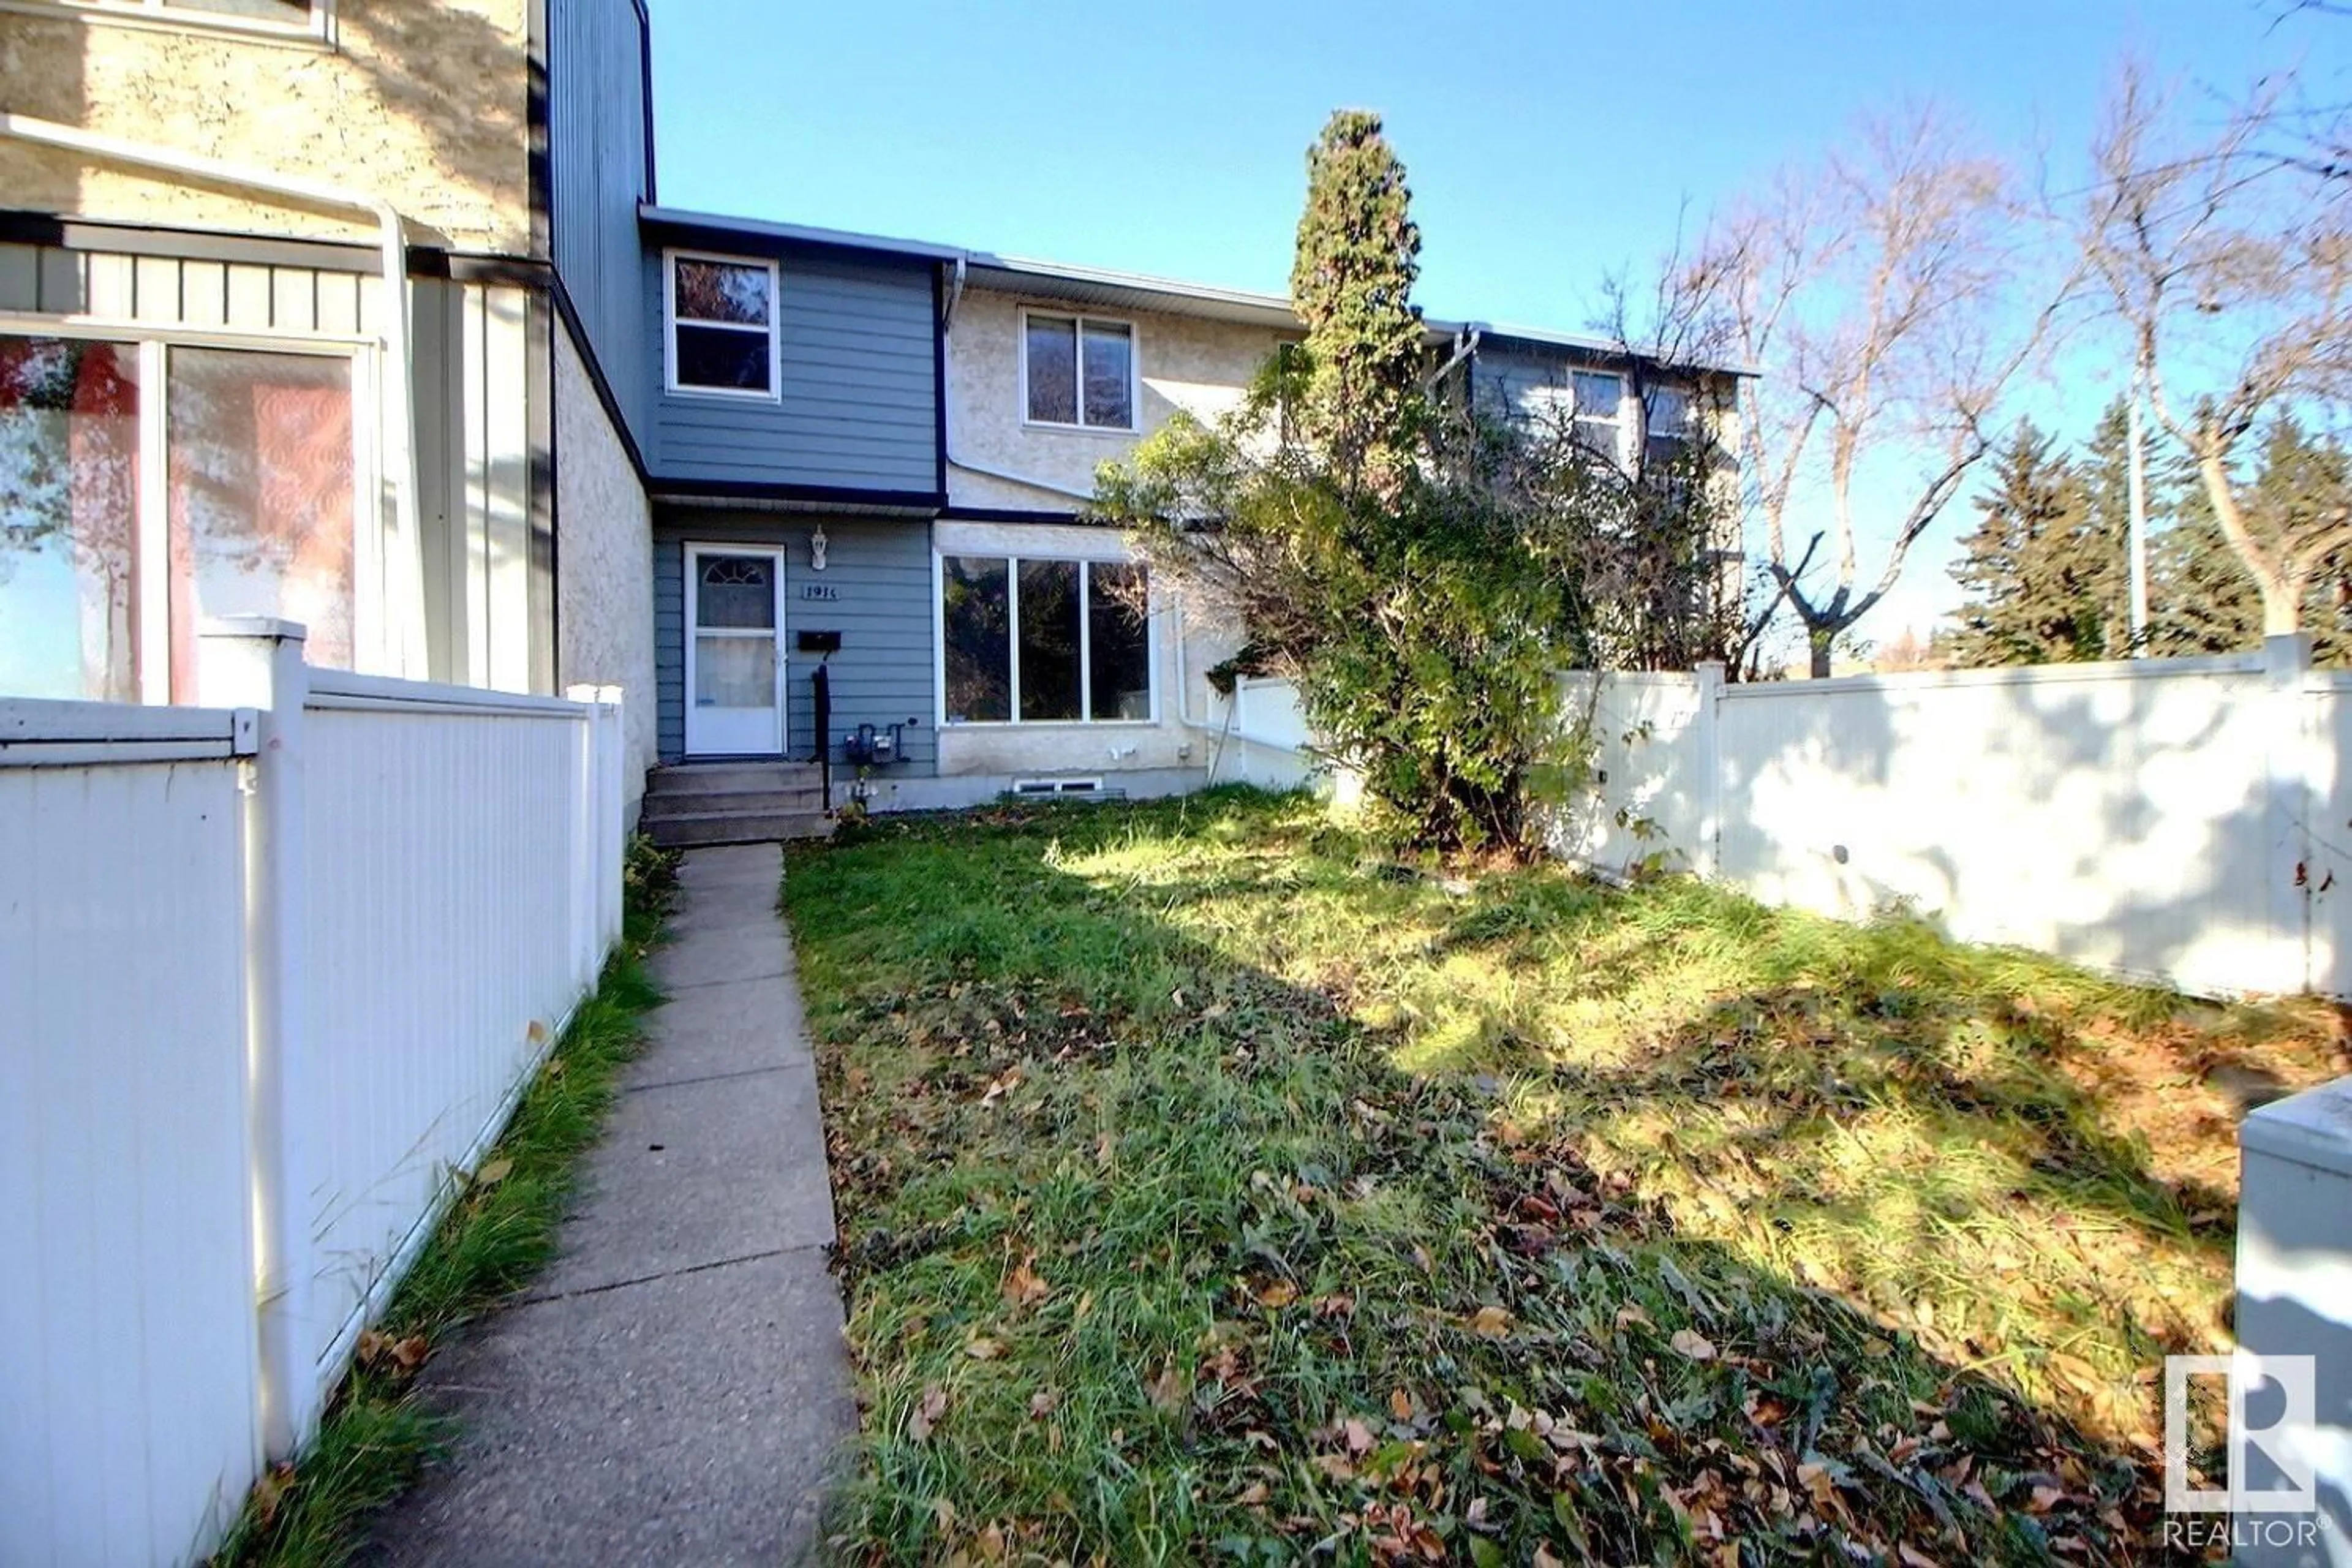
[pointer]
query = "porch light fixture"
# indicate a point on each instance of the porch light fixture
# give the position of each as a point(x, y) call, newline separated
point(816, 548)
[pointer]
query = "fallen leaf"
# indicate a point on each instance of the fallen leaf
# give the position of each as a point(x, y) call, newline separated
point(1359, 1436)
point(1491, 1323)
point(927, 1414)
point(493, 1172)
point(1024, 1288)
point(1913, 1557)
point(1278, 1293)
point(1692, 1343)
point(1167, 1389)
point(1043, 1402)
point(984, 1349)
point(1401, 1404)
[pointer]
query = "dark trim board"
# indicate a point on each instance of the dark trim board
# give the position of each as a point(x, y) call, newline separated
point(18, 227)
point(1018, 514)
point(645, 69)
point(539, 142)
point(687, 491)
point(22, 228)
point(546, 537)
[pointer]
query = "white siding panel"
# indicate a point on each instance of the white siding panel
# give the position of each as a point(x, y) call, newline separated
point(127, 1353)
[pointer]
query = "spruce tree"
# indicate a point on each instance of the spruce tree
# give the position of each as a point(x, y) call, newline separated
point(1351, 282)
point(2040, 569)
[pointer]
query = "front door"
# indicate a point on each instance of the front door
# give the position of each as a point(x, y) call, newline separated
point(734, 651)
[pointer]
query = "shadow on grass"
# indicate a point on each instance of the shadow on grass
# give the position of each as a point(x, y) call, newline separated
point(1152, 1251)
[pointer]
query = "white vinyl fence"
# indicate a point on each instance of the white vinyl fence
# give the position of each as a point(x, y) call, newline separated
point(2173, 819)
point(275, 972)
point(1258, 736)
point(2181, 820)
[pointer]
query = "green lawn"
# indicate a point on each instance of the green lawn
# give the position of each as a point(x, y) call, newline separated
point(1213, 1189)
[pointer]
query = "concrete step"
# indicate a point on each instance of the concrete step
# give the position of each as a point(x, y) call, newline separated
point(738, 802)
point(718, 778)
point(734, 827)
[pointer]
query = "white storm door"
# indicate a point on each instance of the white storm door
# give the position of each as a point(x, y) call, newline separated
point(734, 651)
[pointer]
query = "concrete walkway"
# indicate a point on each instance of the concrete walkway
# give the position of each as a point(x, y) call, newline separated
point(673, 1387)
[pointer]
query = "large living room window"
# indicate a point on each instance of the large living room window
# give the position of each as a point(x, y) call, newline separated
point(1043, 641)
point(147, 485)
point(722, 325)
point(1077, 371)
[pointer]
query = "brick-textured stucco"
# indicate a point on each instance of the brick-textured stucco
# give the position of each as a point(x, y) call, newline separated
point(1197, 365)
point(420, 101)
point(604, 559)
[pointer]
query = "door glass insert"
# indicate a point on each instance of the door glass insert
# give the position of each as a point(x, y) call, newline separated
point(734, 672)
point(736, 593)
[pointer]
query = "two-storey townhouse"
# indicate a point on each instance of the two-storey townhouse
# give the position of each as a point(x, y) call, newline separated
point(701, 458)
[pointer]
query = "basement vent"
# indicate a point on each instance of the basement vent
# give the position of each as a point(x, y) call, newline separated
point(1057, 786)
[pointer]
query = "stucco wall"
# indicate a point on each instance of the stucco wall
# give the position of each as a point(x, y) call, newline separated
point(421, 101)
point(604, 559)
point(1025, 750)
point(1200, 367)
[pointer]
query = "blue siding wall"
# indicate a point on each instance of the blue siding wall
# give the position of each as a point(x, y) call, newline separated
point(857, 390)
point(596, 148)
point(884, 673)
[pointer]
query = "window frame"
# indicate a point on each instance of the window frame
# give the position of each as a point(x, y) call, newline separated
point(1079, 320)
point(1689, 398)
point(150, 531)
point(1013, 561)
point(172, 16)
point(1614, 419)
point(774, 391)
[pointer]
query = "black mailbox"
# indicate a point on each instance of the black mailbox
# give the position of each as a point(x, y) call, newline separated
point(820, 642)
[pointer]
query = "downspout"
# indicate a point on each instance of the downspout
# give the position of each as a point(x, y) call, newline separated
point(399, 373)
point(955, 293)
point(947, 323)
point(1466, 343)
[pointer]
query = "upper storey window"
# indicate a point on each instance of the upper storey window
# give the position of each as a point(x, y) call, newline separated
point(1077, 371)
point(722, 325)
point(301, 18)
point(1600, 396)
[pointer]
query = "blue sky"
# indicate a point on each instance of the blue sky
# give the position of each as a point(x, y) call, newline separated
point(1547, 143)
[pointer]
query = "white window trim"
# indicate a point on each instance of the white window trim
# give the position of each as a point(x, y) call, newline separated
point(774, 328)
point(1080, 321)
point(151, 533)
point(1620, 439)
point(1012, 565)
point(318, 29)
